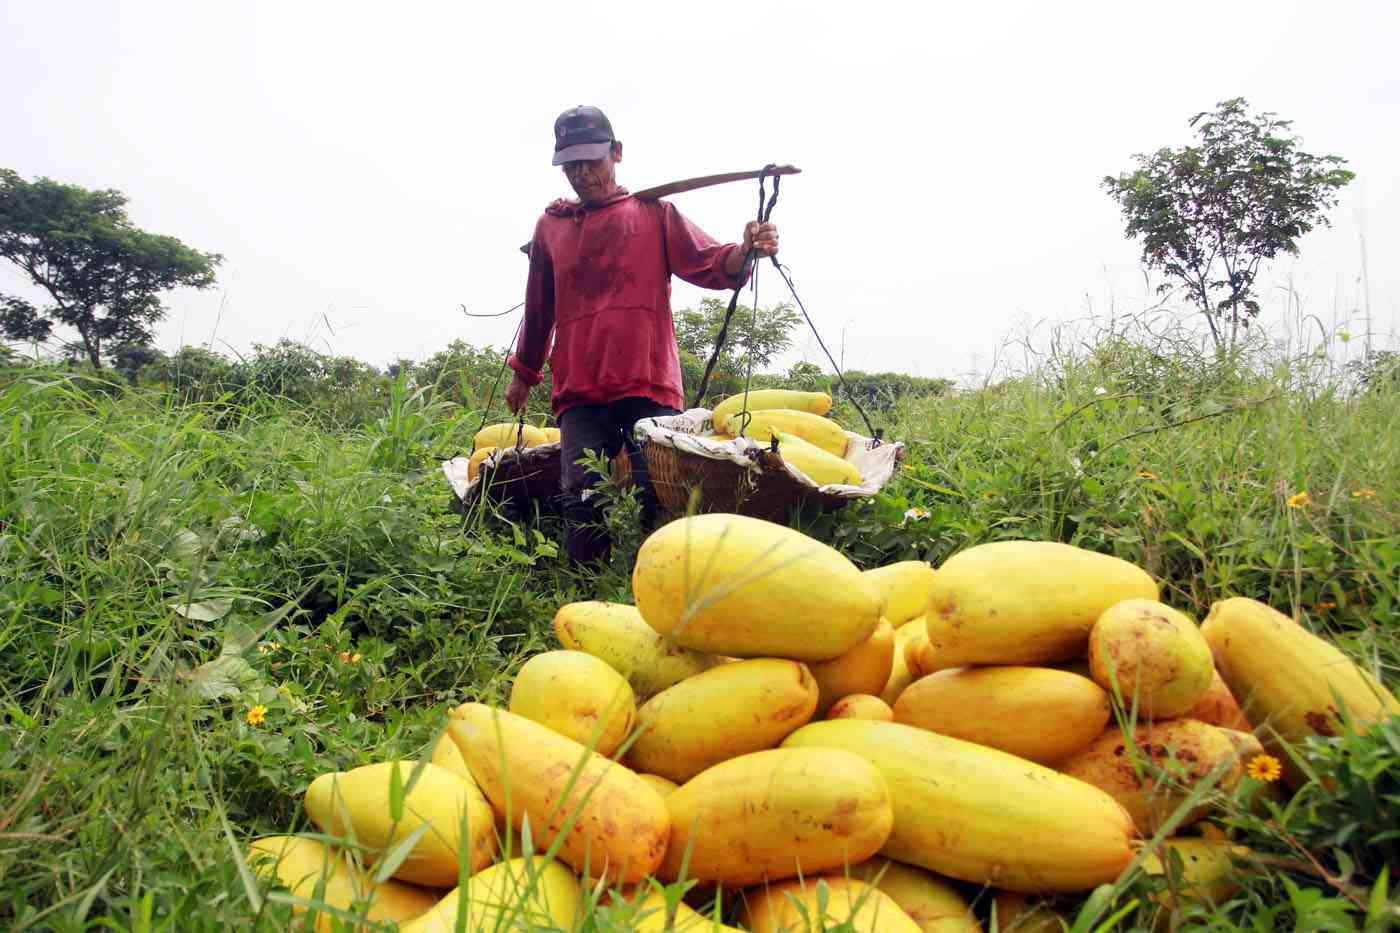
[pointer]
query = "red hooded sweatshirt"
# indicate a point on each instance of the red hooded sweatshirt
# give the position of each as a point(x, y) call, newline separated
point(600, 285)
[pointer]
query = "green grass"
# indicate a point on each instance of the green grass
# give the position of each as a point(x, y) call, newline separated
point(165, 567)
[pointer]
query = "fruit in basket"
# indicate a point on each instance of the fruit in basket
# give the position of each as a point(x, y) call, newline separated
point(776, 814)
point(864, 669)
point(1291, 682)
point(578, 696)
point(819, 466)
point(303, 865)
point(616, 634)
point(1152, 656)
point(617, 824)
point(1152, 772)
point(508, 434)
point(479, 456)
point(823, 903)
point(1219, 708)
point(1025, 602)
point(727, 711)
point(931, 902)
point(814, 429)
point(861, 706)
point(816, 403)
point(1036, 713)
point(906, 586)
point(361, 798)
point(551, 435)
point(744, 587)
point(522, 893)
point(977, 814)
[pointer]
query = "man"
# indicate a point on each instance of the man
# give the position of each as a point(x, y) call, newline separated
point(600, 286)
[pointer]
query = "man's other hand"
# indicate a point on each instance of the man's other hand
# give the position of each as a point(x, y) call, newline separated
point(517, 395)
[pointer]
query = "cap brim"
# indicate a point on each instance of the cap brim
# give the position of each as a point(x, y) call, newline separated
point(583, 152)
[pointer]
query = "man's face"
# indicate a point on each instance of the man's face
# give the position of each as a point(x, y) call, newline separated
point(594, 179)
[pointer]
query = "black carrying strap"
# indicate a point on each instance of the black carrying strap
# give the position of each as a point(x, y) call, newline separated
point(764, 212)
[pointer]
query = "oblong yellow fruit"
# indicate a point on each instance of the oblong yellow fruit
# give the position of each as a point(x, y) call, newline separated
point(617, 634)
point(1218, 707)
point(1025, 602)
point(1152, 656)
point(824, 903)
point(1287, 679)
point(1126, 768)
point(820, 467)
point(900, 674)
point(551, 435)
point(743, 587)
point(861, 706)
point(919, 659)
point(620, 825)
point(519, 894)
point(504, 434)
point(981, 815)
point(777, 814)
point(816, 403)
point(1037, 713)
point(663, 786)
point(727, 711)
point(1206, 871)
point(446, 755)
point(930, 901)
point(814, 429)
point(302, 865)
point(578, 696)
point(864, 669)
point(440, 799)
point(906, 586)
point(478, 457)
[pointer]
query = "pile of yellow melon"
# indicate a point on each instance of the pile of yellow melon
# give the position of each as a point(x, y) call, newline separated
point(506, 435)
point(814, 744)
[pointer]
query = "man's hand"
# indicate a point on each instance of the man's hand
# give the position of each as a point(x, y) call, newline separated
point(762, 237)
point(517, 395)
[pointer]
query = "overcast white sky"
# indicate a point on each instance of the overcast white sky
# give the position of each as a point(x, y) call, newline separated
point(377, 165)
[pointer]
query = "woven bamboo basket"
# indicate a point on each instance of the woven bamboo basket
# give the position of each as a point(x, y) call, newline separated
point(691, 470)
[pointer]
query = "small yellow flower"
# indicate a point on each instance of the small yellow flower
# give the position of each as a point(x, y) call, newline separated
point(1300, 500)
point(257, 714)
point(345, 657)
point(1143, 474)
point(268, 647)
point(355, 658)
point(1264, 768)
point(1364, 494)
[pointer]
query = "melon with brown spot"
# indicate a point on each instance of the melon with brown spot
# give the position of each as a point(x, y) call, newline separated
point(1151, 656)
point(1153, 771)
point(1289, 680)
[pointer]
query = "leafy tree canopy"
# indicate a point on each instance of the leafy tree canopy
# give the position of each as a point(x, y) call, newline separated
point(1211, 213)
point(102, 274)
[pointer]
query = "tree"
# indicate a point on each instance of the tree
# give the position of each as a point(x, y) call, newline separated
point(758, 338)
point(1210, 214)
point(103, 274)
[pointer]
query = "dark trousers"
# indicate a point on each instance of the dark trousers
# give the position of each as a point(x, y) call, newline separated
point(605, 430)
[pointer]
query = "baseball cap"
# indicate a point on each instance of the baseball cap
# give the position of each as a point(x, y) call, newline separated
point(581, 133)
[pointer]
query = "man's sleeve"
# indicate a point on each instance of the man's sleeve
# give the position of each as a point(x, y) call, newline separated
point(693, 254)
point(532, 349)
